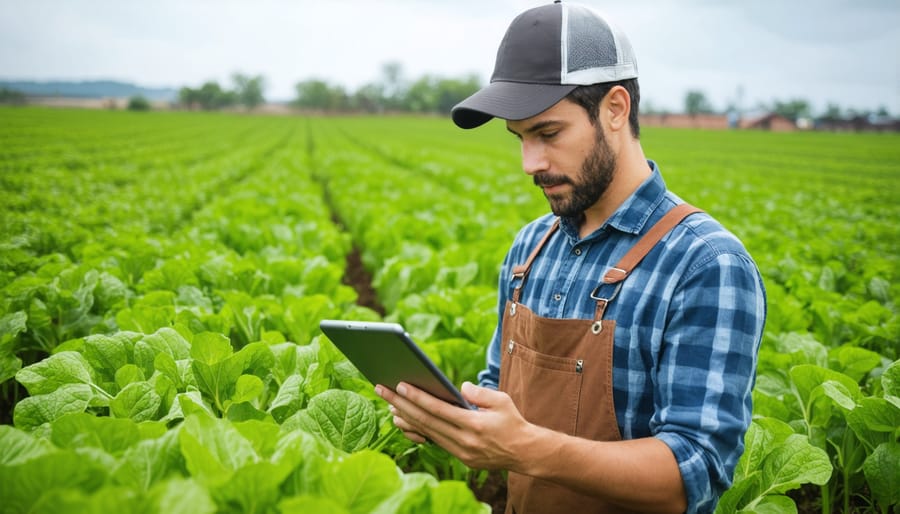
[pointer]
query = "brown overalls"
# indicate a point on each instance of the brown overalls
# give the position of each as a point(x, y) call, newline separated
point(558, 373)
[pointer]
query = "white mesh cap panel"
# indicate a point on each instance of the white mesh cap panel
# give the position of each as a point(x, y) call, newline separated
point(593, 50)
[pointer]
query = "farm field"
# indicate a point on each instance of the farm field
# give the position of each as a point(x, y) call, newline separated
point(162, 276)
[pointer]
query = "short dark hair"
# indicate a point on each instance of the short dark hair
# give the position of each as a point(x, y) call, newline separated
point(589, 97)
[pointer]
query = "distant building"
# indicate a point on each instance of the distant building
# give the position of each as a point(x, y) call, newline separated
point(769, 121)
point(871, 123)
point(762, 121)
point(698, 121)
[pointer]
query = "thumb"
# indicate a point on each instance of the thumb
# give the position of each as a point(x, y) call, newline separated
point(482, 396)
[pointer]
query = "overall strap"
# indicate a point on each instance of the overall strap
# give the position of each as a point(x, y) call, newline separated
point(640, 250)
point(635, 255)
point(521, 270)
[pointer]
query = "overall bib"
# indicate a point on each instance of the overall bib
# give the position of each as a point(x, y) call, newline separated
point(558, 373)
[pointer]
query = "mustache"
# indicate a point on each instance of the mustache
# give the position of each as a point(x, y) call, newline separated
point(546, 179)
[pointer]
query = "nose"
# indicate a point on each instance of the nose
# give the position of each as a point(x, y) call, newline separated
point(534, 157)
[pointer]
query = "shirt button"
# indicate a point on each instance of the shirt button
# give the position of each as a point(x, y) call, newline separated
point(578, 251)
point(557, 297)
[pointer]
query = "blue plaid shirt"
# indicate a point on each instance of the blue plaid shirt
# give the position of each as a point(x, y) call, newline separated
point(689, 320)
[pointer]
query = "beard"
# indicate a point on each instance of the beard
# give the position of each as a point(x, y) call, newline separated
point(596, 174)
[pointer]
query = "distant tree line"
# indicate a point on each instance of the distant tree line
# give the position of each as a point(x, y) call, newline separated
point(696, 102)
point(11, 96)
point(247, 92)
point(427, 94)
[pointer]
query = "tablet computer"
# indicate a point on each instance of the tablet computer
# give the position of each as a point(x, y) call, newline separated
point(386, 354)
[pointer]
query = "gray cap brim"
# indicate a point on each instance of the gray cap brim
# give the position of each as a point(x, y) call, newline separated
point(508, 101)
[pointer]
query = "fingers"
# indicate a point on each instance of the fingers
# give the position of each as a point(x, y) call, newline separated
point(418, 412)
point(483, 397)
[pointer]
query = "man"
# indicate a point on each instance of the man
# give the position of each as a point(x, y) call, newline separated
point(619, 376)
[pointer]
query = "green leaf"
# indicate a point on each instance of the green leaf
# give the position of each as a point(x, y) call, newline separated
point(289, 399)
point(187, 403)
point(255, 359)
point(128, 374)
point(34, 411)
point(210, 348)
point(343, 418)
point(138, 401)
point(59, 369)
point(150, 461)
point(745, 489)
point(421, 326)
point(247, 316)
point(794, 463)
point(247, 388)
point(757, 444)
point(181, 496)
point(245, 411)
point(9, 365)
point(11, 325)
point(361, 481)
point(253, 488)
point(17, 446)
point(803, 348)
point(262, 434)
point(880, 289)
point(875, 420)
point(307, 455)
point(839, 394)
point(413, 496)
point(882, 470)
point(23, 485)
point(853, 361)
point(216, 369)
point(145, 319)
point(213, 449)
point(107, 354)
point(103, 501)
point(305, 504)
point(454, 497)
point(807, 380)
point(773, 504)
point(79, 430)
point(302, 316)
point(890, 380)
point(109, 293)
point(165, 341)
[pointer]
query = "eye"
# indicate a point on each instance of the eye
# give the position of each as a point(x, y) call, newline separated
point(546, 136)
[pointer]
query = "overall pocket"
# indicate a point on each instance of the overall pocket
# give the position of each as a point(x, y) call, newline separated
point(546, 389)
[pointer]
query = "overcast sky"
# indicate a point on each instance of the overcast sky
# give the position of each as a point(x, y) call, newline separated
point(740, 51)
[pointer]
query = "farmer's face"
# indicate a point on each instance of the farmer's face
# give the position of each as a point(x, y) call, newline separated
point(567, 156)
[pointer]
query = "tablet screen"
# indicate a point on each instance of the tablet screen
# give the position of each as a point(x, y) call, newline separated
point(385, 354)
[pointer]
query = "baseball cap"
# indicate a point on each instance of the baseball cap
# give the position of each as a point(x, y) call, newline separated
point(546, 53)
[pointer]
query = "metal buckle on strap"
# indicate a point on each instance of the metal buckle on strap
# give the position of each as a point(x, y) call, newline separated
point(607, 300)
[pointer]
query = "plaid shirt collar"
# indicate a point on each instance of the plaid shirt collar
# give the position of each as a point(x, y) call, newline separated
point(631, 217)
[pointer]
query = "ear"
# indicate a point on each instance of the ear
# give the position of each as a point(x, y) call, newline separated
point(615, 109)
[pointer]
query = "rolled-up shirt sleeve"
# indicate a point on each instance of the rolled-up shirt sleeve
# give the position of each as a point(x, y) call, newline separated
point(706, 371)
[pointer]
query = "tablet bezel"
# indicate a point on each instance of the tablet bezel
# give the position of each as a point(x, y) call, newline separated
point(386, 354)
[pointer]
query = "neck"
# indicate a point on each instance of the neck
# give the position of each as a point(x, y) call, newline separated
point(631, 171)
